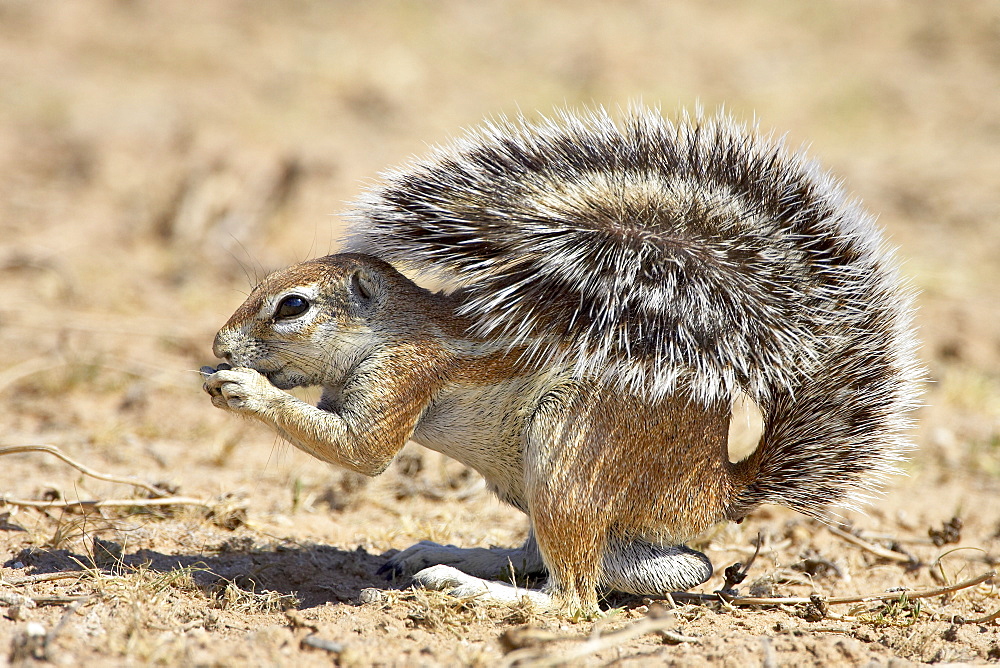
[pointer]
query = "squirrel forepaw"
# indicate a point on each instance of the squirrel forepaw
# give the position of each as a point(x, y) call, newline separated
point(241, 390)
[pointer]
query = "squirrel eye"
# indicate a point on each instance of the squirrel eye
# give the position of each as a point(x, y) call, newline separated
point(290, 307)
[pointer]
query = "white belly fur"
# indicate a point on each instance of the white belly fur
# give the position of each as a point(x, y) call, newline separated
point(483, 427)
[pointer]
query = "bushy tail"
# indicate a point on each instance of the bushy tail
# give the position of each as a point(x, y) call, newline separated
point(694, 257)
point(832, 439)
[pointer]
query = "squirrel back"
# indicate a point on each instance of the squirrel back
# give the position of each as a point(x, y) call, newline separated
point(694, 258)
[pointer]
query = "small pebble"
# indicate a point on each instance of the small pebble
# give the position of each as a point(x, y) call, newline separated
point(372, 595)
point(17, 612)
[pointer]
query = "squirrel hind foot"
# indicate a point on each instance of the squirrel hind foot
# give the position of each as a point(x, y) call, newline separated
point(462, 585)
point(633, 567)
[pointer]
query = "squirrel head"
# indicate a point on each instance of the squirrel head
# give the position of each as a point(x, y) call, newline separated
point(312, 321)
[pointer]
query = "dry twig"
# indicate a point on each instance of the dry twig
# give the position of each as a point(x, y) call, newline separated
point(86, 470)
point(63, 600)
point(45, 577)
point(877, 550)
point(160, 496)
point(835, 600)
point(535, 657)
point(108, 503)
point(992, 617)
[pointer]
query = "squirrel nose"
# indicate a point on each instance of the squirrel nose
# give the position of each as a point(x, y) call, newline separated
point(221, 348)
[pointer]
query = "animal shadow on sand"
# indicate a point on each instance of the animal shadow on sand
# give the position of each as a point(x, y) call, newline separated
point(314, 574)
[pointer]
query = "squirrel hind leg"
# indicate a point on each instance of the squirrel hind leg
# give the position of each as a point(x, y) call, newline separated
point(645, 569)
point(634, 567)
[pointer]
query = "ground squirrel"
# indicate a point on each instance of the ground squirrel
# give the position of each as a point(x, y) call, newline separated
point(615, 285)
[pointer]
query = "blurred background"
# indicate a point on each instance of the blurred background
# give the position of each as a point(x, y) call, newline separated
point(156, 157)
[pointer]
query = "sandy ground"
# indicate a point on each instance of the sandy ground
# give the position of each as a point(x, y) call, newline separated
point(155, 157)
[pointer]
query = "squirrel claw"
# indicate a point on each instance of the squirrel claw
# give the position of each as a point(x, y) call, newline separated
point(390, 570)
point(209, 370)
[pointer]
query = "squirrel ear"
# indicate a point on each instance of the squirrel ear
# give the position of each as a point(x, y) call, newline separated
point(362, 286)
